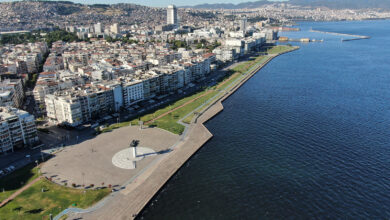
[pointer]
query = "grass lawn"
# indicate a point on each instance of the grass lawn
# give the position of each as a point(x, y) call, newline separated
point(115, 126)
point(169, 122)
point(35, 204)
point(279, 49)
point(16, 180)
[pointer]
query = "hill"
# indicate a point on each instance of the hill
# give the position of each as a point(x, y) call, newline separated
point(255, 4)
point(343, 4)
point(333, 4)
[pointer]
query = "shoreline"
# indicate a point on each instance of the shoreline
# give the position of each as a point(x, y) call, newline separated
point(132, 200)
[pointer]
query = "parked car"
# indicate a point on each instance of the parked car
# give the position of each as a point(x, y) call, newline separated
point(95, 125)
point(8, 170)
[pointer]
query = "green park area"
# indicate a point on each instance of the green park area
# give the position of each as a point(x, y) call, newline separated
point(168, 117)
point(43, 197)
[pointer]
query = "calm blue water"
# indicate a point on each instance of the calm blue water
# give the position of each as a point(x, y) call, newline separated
point(308, 137)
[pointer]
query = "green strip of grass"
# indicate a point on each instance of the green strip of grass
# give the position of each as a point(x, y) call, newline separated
point(279, 49)
point(35, 204)
point(115, 126)
point(14, 181)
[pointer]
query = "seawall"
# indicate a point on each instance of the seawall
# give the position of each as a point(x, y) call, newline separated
point(132, 200)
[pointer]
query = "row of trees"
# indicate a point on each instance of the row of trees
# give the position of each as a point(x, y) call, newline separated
point(124, 40)
point(202, 44)
point(36, 36)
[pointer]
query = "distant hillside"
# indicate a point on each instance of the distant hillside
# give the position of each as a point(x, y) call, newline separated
point(342, 4)
point(334, 4)
point(231, 6)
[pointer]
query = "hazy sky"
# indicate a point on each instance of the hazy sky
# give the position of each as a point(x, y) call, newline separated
point(157, 3)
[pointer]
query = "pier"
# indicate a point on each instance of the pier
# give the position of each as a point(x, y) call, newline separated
point(354, 36)
point(303, 40)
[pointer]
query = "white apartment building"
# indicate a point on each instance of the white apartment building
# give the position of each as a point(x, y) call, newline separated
point(75, 107)
point(133, 92)
point(225, 54)
point(11, 93)
point(63, 110)
point(115, 28)
point(17, 129)
point(98, 28)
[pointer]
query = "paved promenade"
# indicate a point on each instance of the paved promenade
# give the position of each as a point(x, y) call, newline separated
point(131, 200)
point(90, 162)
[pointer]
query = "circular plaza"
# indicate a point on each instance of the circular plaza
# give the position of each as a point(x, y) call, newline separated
point(109, 158)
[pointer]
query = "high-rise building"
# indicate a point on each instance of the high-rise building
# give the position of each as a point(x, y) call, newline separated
point(98, 28)
point(172, 15)
point(115, 28)
point(243, 24)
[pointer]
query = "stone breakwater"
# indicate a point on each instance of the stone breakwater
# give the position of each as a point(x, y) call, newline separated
point(131, 201)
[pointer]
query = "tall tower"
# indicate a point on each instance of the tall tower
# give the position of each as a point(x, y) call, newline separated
point(115, 28)
point(98, 28)
point(172, 15)
point(243, 24)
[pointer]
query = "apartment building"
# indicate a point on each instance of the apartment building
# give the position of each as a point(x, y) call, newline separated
point(11, 93)
point(133, 92)
point(63, 110)
point(77, 106)
point(17, 129)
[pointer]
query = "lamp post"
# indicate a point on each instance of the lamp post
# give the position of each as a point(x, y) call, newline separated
point(83, 174)
point(42, 158)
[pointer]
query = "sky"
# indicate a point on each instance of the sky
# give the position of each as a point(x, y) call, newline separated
point(156, 3)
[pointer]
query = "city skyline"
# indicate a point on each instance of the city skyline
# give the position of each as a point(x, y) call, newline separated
point(155, 3)
point(130, 109)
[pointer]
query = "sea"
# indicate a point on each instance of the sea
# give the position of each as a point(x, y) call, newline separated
point(307, 137)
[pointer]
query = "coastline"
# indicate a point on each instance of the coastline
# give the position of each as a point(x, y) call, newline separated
point(132, 200)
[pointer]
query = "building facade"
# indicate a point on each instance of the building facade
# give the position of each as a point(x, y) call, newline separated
point(172, 18)
point(17, 129)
